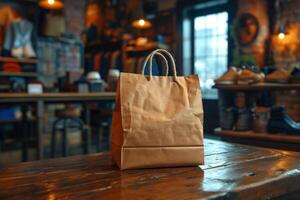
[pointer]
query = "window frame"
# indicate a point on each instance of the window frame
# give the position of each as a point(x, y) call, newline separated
point(207, 11)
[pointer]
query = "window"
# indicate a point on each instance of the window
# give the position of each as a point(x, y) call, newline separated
point(210, 50)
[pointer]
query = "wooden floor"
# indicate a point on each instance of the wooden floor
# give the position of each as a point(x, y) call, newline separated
point(231, 171)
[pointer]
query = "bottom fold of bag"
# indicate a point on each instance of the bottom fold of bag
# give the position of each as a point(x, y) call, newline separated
point(154, 157)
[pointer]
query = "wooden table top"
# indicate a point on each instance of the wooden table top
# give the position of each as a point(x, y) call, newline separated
point(231, 171)
point(57, 96)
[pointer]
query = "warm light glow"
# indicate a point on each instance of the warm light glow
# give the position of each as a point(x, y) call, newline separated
point(281, 36)
point(141, 22)
point(51, 2)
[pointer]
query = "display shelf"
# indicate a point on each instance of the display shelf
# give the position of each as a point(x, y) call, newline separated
point(5, 121)
point(19, 74)
point(18, 60)
point(258, 86)
point(285, 138)
point(4, 87)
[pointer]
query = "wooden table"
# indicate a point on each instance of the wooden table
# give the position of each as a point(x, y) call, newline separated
point(41, 100)
point(231, 171)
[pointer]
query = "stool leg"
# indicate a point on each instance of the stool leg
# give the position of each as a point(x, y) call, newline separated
point(85, 136)
point(53, 138)
point(64, 138)
point(85, 140)
point(24, 133)
point(109, 135)
point(100, 133)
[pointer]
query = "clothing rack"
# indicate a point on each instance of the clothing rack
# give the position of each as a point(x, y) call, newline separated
point(103, 56)
point(136, 57)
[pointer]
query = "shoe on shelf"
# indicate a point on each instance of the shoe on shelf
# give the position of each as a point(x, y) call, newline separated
point(261, 118)
point(244, 120)
point(280, 75)
point(295, 75)
point(228, 118)
point(229, 77)
point(280, 122)
point(249, 77)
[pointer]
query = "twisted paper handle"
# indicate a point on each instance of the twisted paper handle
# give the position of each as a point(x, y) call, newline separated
point(159, 52)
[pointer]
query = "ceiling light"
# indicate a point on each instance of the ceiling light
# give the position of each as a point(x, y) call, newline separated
point(51, 4)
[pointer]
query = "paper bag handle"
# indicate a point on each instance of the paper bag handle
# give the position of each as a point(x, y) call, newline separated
point(150, 56)
point(158, 52)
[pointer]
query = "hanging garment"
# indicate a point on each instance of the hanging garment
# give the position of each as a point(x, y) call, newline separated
point(108, 58)
point(18, 39)
point(89, 62)
point(139, 66)
point(103, 63)
point(105, 68)
point(129, 66)
point(119, 62)
point(114, 57)
point(97, 62)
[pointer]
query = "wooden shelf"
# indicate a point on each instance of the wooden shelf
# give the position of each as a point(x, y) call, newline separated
point(259, 86)
point(18, 60)
point(259, 136)
point(31, 119)
point(19, 74)
point(4, 87)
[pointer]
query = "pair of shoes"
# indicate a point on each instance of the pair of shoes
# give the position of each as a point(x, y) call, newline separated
point(295, 75)
point(250, 77)
point(228, 119)
point(240, 76)
point(280, 122)
point(261, 118)
point(237, 119)
point(244, 120)
point(280, 75)
point(229, 77)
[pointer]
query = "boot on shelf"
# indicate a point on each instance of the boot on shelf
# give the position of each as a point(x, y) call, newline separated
point(244, 119)
point(227, 123)
point(280, 122)
point(295, 75)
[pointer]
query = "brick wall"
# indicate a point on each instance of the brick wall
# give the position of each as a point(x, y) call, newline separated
point(74, 15)
point(286, 54)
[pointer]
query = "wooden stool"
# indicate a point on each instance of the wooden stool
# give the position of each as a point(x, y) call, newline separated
point(69, 118)
point(102, 120)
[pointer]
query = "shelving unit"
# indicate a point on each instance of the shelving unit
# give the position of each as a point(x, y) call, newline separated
point(286, 141)
point(18, 60)
point(31, 119)
point(259, 87)
point(19, 74)
point(21, 61)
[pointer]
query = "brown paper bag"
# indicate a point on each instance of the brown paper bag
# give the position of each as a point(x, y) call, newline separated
point(158, 120)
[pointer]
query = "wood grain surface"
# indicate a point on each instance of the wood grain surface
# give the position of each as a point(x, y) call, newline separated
point(56, 97)
point(231, 171)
